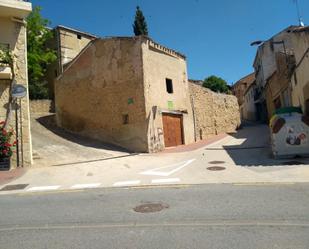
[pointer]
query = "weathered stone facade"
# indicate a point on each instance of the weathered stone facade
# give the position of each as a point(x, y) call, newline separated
point(13, 34)
point(214, 113)
point(133, 92)
point(67, 43)
point(160, 63)
point(102, 88)
point(115, 91)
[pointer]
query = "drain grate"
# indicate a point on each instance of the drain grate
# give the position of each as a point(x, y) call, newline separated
point(216, 162)
point(216, 168)
point(292, 163)
point(150, 207)
point(14, 187)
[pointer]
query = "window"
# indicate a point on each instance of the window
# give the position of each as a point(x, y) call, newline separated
point(79, 37)
point(125, 118)
point(169, 85)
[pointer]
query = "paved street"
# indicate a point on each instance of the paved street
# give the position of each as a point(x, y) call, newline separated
point(245, 158)
point(205, 216)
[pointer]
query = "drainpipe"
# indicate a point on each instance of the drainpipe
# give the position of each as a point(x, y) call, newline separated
point(193, 113)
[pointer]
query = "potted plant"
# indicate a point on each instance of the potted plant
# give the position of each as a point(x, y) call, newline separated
point(6, 147)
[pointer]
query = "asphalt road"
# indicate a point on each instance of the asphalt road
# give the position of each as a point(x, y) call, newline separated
point(205, 216)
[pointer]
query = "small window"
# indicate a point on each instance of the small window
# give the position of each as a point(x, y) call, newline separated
point(79, 37)
point(169, 85)
point(125, 118)
point(56, 73)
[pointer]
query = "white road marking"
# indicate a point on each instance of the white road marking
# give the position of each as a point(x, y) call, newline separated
point(158, 172)
point(43, 188)
point(126, 183)
point(87, 185)
point(167, 180)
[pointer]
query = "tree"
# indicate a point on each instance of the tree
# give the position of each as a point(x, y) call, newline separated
point(216, 84)
point(140, 25)
point(39, 56)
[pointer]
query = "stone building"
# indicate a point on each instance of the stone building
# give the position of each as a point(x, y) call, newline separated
point(281, 66)
point(239, 89)
point(67, 43)
point(248, 107)
point(128, 91)
point(213, 113)
point(13, 39)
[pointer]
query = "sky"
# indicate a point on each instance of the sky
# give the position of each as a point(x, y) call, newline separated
point(215, 35)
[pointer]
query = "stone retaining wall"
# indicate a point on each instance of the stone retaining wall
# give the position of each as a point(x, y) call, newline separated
point(42, 106)
point(214, 113)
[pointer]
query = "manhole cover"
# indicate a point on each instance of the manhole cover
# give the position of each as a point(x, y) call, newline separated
point(14, 187)
point(292, 163)
point(150, 207)
point(216, 168)
point(216, 162)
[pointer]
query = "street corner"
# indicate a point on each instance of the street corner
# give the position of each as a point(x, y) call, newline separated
point(8, 176)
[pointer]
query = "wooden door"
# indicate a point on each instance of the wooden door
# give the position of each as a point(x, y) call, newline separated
point(172, 129)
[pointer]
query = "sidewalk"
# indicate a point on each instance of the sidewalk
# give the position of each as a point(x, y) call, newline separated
point(244, 158)
point(8, 176)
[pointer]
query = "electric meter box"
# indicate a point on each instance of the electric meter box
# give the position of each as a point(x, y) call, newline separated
point(289, 130)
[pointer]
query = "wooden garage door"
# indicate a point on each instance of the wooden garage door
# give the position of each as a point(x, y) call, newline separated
point(172, 129)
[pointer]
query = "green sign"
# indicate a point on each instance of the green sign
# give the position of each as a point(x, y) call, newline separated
point(170, 105)
point(130, 101)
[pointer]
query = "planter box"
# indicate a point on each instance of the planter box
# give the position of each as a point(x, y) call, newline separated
point(5, 163)
point(5, 73)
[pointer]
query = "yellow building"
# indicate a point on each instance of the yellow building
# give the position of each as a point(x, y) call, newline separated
point(13, 39)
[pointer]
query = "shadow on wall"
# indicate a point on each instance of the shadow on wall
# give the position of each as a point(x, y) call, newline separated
point(252, 148)
point(49, 122)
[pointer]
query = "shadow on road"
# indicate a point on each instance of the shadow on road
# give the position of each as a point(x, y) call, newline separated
point(252, 148)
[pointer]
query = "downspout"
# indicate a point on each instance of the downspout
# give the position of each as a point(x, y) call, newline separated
point(193, 113)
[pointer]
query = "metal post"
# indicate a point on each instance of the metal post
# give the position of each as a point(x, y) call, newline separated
point(17, 133)
point(21, 135)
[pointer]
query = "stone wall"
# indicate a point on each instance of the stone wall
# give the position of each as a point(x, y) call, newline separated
point(101, 94)
point(14, 34)
point(214, 113)
point(42, 106)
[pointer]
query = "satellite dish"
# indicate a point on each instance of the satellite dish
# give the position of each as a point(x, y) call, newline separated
point(19, 91)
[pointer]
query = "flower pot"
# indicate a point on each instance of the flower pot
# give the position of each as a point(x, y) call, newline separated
point(5, 163)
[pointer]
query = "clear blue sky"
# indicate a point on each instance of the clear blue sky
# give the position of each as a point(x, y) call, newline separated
point(213, 34)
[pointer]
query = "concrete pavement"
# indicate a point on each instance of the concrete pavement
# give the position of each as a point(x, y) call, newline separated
point(245, 157)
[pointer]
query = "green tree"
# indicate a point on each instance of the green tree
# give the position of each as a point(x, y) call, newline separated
point(140, 25)
point(39, 56)
point(216, 84)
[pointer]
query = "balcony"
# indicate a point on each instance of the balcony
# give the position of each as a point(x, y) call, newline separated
point(15, 8)
point(5, 72)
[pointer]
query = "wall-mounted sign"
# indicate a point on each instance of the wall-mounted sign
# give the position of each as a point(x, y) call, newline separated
point(170, 105)
point(130, 101)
